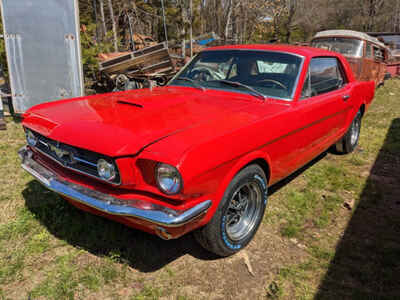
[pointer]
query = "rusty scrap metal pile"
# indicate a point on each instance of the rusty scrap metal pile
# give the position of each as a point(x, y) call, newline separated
point(150, 64)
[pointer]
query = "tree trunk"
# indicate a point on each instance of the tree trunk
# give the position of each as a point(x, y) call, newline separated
point(102, 18)
point(228, 19)
point(288, 24)
point(191, 28)
point(396, 23)
point(183, 29)
point(114, 25)
point(243, 35)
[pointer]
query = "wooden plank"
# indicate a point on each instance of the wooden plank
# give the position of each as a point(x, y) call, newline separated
point(162, 72)
point(147, 58)
point(115, 60)
point(131, 56)
point(139, 62)
point(147, 50)
point(161, 65)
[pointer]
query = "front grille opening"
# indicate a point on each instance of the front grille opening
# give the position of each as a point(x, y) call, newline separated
point(77, 159)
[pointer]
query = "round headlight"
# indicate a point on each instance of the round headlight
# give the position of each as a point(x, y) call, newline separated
point(105, 169)
point(169, 180)
point(31, 138)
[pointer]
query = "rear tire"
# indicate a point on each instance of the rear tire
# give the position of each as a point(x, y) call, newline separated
point(349, 141)
point(239, 213)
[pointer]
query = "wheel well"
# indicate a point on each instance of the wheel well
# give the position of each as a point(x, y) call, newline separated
point(263, 164)
point(362, 109)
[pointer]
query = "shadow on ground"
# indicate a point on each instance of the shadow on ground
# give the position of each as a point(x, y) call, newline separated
point(367, 260)
point(99, 236)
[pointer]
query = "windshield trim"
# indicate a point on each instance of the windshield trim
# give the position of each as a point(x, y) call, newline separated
point(291, 98)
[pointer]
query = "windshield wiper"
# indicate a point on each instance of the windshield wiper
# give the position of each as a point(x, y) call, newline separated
point(194, 83)
point(249, 88)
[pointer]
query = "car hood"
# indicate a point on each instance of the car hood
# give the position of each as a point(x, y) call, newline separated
point(118, 124)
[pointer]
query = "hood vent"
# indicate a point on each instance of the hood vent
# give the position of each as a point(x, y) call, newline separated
point(129, 103)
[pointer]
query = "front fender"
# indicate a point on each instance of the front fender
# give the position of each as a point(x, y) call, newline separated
point(234, 168)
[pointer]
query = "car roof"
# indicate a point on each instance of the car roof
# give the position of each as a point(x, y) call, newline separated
point(298, 50)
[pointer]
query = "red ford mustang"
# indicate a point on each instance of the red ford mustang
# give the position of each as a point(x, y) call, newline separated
point(199, 153)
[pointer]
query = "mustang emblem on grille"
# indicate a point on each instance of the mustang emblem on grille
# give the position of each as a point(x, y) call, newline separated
point(61, 153)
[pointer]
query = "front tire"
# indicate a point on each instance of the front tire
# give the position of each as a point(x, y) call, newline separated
point(349, 141)
point(239, 213)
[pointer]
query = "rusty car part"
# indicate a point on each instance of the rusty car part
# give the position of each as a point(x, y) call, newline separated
point(392, 40)
point(367, 55)
point(140, 67)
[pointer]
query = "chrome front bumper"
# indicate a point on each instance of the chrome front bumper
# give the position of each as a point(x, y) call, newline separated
point(152, 213)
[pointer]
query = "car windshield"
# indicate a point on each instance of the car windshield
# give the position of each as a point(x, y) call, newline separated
point(345, 46)
point(261, 73)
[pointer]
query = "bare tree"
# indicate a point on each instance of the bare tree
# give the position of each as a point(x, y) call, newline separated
point(102, 17)
point(114, 25)
point(228, 15)
point(248, 20)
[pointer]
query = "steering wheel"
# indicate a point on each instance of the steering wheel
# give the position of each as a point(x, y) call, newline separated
point(274, 82)
point(203, 75)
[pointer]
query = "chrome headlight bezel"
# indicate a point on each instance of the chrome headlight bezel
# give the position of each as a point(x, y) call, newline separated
point(162, 173)
point(31, 138)
point(106, 170)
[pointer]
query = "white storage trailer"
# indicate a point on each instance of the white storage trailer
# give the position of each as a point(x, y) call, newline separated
point(43, 50)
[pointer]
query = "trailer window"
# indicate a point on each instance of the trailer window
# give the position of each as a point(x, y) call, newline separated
point(378, 53)
point(346, 46)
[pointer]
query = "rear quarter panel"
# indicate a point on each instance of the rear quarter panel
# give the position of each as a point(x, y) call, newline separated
point(362, 92)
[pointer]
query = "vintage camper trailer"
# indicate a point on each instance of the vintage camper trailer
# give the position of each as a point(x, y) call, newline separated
point(366, 54)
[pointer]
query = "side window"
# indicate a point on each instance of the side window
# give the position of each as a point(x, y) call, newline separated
point(378, 54)
point(325, 75)
point(368, 50)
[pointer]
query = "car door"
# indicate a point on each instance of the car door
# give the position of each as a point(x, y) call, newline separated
point(323, 107)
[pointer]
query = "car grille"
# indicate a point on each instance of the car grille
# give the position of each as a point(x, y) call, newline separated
point(77, 159)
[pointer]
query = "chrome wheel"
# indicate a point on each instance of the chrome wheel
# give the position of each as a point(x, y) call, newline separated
point(243, 211)
point(355, 130)
point(239, 213)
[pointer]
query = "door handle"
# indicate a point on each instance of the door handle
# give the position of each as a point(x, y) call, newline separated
point(346, 97)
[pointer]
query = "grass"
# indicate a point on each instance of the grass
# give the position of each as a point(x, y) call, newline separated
point(314, 207)
point(309, 245)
